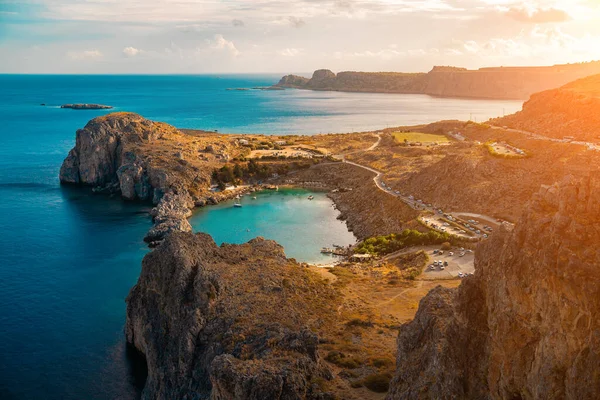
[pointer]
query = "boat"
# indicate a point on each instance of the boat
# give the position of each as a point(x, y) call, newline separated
point(237, 203)
point(311, 197)
point(326, 250)
point(253, 197)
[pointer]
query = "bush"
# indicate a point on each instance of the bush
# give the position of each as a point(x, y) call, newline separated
point(378, 383)
point(383, 362)
point(338, 358)
point(446, 246)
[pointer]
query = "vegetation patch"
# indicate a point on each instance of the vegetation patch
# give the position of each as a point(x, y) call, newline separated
point(341, 360)
point(381, 245)
point(418, 137)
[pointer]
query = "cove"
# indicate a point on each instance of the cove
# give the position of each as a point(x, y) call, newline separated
point(300, 225)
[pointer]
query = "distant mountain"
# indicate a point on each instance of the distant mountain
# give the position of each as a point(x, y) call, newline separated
point(569, 111)
point(490, 83)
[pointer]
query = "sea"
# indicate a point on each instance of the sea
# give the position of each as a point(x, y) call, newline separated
point(68, 258)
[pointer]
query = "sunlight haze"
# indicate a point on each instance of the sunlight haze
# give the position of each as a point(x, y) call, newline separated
point(184, 36)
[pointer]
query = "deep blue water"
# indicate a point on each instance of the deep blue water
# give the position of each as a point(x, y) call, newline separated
point(68, 259)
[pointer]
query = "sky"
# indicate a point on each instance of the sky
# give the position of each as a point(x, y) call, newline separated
point(291, 36)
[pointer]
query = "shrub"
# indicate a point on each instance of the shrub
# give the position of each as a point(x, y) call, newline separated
point(383, 362)
point(446, 246)
point(341, 360)
point(378, 383)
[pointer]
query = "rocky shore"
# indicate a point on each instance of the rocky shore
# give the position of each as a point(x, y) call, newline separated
point(526, 325)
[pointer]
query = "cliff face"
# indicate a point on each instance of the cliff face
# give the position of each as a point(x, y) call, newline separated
point(226, 322)
point(104, 156)
point(493, 83)
point(526, 325)
point(571, 110)
point(144, 160)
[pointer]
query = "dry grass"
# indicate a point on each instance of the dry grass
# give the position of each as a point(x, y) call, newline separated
point(413, 137)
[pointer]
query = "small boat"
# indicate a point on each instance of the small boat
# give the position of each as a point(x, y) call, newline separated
point(253, 197)
point(237, 203)
point(326, 250)
point(311, 197)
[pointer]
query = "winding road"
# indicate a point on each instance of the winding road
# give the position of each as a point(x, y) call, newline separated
point(413, 203)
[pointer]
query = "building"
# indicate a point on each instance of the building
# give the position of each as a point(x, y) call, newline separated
point(243, 142)
point(280, 142)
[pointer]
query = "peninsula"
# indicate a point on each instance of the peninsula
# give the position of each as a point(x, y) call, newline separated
point(485, 83)
point(517, 319)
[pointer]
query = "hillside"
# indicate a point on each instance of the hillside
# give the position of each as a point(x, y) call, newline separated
point(492, 83)
point(571, 110)
point(526, 325)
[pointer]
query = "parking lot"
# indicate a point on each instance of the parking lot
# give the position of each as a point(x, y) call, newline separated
point(457, 264)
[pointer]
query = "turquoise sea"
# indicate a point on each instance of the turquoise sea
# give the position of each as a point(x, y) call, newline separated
point(69, 258)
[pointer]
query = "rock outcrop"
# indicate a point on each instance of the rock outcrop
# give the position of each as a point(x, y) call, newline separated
point(569, 111)
point(85, 106)
point(526, 325)
point(121, 153)
point(226, 322)
point(104, 156)
point(493, 83)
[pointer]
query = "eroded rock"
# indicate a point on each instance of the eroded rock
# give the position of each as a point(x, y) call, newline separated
point(211, 325)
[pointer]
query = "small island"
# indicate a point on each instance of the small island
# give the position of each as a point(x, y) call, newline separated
point(85, 106)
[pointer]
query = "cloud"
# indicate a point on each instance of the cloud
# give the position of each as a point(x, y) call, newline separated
point(538, 15)
point(85, 55)
point(296, 22)
point(131, 51)
point(222, 44)
point(238, 23)
point(290, 52)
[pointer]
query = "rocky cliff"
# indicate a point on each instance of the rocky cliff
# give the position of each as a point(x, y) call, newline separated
point(230, 322)
point(493, 83)
point(526, 325)
point(572, 110)
point(145, 160)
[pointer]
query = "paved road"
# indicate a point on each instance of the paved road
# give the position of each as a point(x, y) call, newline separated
point(536, 136)
point(413, 203)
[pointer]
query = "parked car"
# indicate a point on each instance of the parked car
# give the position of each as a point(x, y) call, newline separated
point(451, 254)
point(462, 254)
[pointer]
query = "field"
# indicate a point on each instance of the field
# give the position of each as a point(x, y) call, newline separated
point(412, 137)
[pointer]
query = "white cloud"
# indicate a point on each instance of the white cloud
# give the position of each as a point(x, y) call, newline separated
point(131, 51)
point(221, 43)
point(290, 52)
point(536, 15)
point(85, 55)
